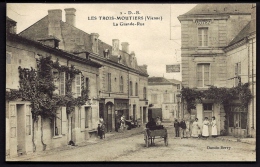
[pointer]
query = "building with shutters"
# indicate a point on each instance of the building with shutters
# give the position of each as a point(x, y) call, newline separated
point(163, 98)
point(218, 48)
point(122, 83)
point(21, 51)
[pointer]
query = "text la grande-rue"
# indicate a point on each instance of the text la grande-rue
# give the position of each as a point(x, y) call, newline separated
point(128, 24)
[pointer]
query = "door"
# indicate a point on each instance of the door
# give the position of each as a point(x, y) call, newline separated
point(144, 115)
point(134, 112)
point(208, 114)
point(109, 117)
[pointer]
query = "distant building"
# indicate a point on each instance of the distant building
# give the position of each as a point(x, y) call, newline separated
point(218, 45)
point(163, 98)
point(122, 83)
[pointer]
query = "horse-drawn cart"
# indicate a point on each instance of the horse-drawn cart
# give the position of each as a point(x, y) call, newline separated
point(151, 134)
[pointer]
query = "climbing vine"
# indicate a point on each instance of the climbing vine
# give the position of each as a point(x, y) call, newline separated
point(221, 95)
point(37, 86)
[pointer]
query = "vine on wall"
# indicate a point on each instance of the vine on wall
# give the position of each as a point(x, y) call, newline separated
point(225, 96)
point(37, 86)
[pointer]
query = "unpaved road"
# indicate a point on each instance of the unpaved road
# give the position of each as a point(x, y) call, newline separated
point(133, 149)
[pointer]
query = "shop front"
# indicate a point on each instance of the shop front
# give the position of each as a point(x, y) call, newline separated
point(121, 109)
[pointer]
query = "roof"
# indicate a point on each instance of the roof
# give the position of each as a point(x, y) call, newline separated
point(42, 30)
point(175, 81)
point(10, 20)
point(249, 29)
point(158, 81)
point(25, 40)
point(220, 8)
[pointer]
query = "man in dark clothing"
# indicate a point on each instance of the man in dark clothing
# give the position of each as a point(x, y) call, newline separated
point(183, 129)
point(151, 123)
point(177, 127)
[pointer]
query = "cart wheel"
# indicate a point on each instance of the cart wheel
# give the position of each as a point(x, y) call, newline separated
point(166, 141)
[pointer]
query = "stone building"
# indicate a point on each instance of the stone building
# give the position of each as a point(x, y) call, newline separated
point(163, 99)
point(122, 82)
point(23, 52)
point(208, 31)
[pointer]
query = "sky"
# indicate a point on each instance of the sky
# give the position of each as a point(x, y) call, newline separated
point(156, 43)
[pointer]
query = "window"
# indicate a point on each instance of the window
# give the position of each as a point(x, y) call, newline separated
point(178, 86)
point(131, 88)
point(203, 75)
point(237, 73)
point(154, 99)
point(166, 97)
point(207, 106)
point(62, 83)
point(203, 36)
point(78, 85)
point(8, 57)
point(87, 83)
point(109, 82)
point(136, 89)
point(60, 122)
point(57, 123)
point(144, 92)
point(121, 85)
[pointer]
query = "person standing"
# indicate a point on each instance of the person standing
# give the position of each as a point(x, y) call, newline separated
point(183, 128)
point(205, 130)
point(195, 128)
point(214, 131)
point(176, 125)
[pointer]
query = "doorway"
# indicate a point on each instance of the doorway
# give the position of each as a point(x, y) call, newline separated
point(108, 116)
point(144, 114)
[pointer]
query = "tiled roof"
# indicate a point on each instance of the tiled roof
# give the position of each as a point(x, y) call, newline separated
point(219, 8)
point(158, 80)
point(37, 43)
point(246, 31)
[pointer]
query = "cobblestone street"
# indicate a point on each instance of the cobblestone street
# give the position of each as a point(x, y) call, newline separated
point(132, 148)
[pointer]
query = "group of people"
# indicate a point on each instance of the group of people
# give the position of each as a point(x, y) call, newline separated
point(181, 128)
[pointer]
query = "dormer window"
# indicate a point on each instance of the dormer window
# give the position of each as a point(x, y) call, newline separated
point(106, 53)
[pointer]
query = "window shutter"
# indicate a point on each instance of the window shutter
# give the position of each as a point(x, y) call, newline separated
point(13, 121)
point(58, 121)
point(78, 85)
point(236, 73)
point(62, 83)
point(63, 120)
point(82, 118)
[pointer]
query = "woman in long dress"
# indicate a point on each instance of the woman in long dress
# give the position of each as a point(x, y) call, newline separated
point(195, 128)
point(205, 130)
point(214, 130)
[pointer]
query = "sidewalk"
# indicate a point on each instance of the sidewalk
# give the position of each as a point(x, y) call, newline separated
point(234, 139)
point(91, 141)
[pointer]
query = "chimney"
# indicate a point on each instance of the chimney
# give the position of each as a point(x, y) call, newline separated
point(70, 16)
point(54, 17)
point(94, 40)
point(125, 47)
point(115, 47)
point(145, 66)
point(253, 12)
